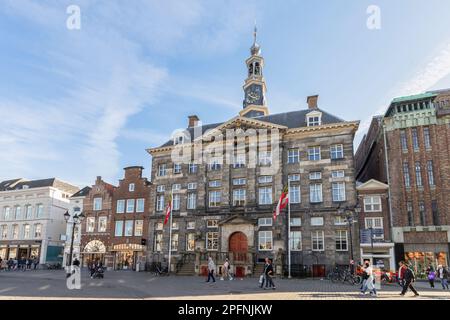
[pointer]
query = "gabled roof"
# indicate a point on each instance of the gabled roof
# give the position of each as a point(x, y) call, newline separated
point(9, 184)
point(293, 119)
point(372, 184)
point(82, 193)
point(18, 184)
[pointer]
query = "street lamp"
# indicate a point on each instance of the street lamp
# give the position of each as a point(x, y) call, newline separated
point(77, 218)
point(350, 219)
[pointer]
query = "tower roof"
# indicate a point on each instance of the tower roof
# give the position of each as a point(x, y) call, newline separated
point(255, 50)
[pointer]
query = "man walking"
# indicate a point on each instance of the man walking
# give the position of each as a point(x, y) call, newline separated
point(443, 276)
point(406, 275)
point(211, 268)
point(263, 277)
point(269, 275)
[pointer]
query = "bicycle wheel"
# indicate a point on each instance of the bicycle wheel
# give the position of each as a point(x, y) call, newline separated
point(334, 278)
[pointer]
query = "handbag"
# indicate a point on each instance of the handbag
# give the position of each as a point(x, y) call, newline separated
point(261, 278)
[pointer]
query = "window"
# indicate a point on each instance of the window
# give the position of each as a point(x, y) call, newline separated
point(130, 205)
point(15, 231)
point(422, 213)
point(159, 226)
point(102, 224)
point(215, 198)
point(314, 153)
point(26, 231)
point(162, 170)
point(192, 201)
point(176, 168)
point(296, 241)
point(212, 223)
point(338, 191)
point(265, 195)
point(160, 188)
point(215, 164)
point(39, 211)
point(18, 212)
point(192, 167)
point(265, 240)
point(215, 184)
point(119, 229)
point(179, 139)
point(403, 140)
point(315, 193)
point(426, 137)
point(341, 240)
point(337, 174)
point(293, 156)
point(239, 161)
point(176, 187)
point(157, 242)
point(120, 206)
point(337, 151)
point(138, 228)
point(375, 223)
point(294, 177)
point(296, 222)
point(176, 202)
point(313, 121)
point(29, 211)
point(174, 245)
point(175, 225)
point(131, 187)
point(317, 221)
point(212, 242)
point(239, 181)
point(418, 174)
point(90, 224)
point(372, 204)
point(190, 225)
point(315, 175)
point(140, 205)
point(160, 203)
point(415, 139)
point(192, 186)
point(340, 221)
point(265, 222)
point(430, 172)
point(265, 179)
point(4, 231)
point(97, 204)
point(406, 177)
point(129, 228)
point(294, 194)
point(7, 213)
point(434, 209)
point(37, 230)
point(239, 197)
point(317, 238)
point(265, 158)
point(190, 242)
point(409, 209)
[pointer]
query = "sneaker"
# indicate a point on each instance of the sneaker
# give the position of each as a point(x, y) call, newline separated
point(231, 279)
point(221, 279)
point(273, 288)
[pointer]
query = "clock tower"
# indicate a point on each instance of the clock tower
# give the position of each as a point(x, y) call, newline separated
point(255, 85)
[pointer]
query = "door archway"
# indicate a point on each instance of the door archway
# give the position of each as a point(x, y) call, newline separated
point(238, 243)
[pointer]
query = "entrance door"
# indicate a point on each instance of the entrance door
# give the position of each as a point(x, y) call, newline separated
point(23, 253)
point(238, 246)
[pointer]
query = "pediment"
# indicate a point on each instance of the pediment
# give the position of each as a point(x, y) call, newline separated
point(236, 219)
point(372, 184)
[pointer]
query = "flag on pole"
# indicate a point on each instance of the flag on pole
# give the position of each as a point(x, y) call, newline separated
point(282, 203)
point(168, 210)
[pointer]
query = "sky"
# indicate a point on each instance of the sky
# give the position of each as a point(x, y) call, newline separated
point(87, 102)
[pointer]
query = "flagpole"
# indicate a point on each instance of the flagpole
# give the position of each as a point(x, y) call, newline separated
point(289, 227)
point(170, 231)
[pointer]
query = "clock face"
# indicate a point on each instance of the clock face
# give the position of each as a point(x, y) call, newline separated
point(254, 94)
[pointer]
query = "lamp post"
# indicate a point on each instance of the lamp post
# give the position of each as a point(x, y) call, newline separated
point(349, 212)
point(77, 218)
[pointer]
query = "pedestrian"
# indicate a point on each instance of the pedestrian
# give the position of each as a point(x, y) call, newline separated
point(443, 276)
point(10, 264)
point(406, 275)
point(369, 280)
point(4, 265)
point(16, 264)
point(431, 275)
point(211, 268)
point(226, 270)
point(269, 276)
point(35, 263)
point(262, 278)
point(76, 262)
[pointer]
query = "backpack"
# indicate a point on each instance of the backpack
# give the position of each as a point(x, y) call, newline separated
point(409, 274)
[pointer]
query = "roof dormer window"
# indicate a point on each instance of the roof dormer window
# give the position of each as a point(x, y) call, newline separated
point(314, 119)
point(178, 140)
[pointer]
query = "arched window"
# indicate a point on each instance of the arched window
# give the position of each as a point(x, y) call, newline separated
point(95, 246)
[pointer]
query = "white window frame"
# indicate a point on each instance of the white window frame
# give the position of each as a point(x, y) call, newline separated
point(120, 206)
point(192, 186)
point(193, 167)
point(39, 210)
point(340, 221)
point(296, 238)
point(338, 191)
point(140, 205)
point(215, 184)
point(130, 206)
point(314, 153)
point(265, 179)
point(215, 198)
point(239, 181)
point(337, 152)
point(265, 158)
point(176, 187)
point(293, 156)
point(315, 193)
point(176, 199)
point(190, 225)
point(138, 228)
point(239, 197)
point(370, 203)
point(212, 241)
point(265, 222)
point(339, 238)
point(160, 202)
point(264, 237)
point(157, 242)
point(162, 170)
point(374, 222)
point(265, 196)
point(127, 231)
point(317, 221)
point(294, 177)
point(176, 168)
point(131, 187)
point(90, 224)
point(295, 194)
point(190, 239)
point(98, 203)
point(336, 174)
point(29, 211)
point(317, 238)
point(212, 223)
point(161, 188)
point(315, 175)
point(239, 161)
point(192, 201)
point(100, 220)
point(37, 230)
point(314, 120)
point(296, 222)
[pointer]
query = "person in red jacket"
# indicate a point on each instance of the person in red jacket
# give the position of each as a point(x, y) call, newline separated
point(406, 276)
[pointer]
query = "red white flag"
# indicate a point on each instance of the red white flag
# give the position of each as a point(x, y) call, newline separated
point(282, 203)
point(168, 210)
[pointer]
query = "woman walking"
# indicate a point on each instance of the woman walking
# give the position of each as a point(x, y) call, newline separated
point(269, 275)
point(211, 268)
point(443, 276)
point(431, 275)
point(369, 283)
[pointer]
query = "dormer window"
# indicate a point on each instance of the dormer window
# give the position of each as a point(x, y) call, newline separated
point(314, 119)
point(178, 140)
point(131, 187)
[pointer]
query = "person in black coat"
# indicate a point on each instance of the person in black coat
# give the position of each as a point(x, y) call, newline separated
point(269, 275)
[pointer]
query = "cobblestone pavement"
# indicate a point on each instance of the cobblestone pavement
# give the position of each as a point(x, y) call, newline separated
point(132, 285)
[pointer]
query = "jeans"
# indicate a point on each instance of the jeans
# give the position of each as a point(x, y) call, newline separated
point(444, 283)
point(211, 275)
point(269, 282)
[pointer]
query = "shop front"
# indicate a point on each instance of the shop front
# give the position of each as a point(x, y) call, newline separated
point(420, 260)
point(20, 250)
point(380, 255)
point(127, 256)
point(93, 252)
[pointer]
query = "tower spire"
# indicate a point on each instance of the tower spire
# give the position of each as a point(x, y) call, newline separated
point(255, 49)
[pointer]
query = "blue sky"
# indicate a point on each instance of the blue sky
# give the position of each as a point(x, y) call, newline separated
point(80, 103)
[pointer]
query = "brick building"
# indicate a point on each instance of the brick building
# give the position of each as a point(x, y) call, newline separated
point(413, 137)
point(131, 207)
point(223, 205)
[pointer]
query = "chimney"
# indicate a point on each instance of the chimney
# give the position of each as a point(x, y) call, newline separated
point(312, 102)
point(99, 179)
point(193, 121)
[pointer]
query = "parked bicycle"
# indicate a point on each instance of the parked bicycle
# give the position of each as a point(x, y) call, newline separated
point(160, 271)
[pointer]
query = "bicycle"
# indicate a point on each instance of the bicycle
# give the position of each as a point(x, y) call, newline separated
point(161, 271)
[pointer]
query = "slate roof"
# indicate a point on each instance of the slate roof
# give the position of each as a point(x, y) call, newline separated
point(293, 119)
point(82, 193)
point(51, 182)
